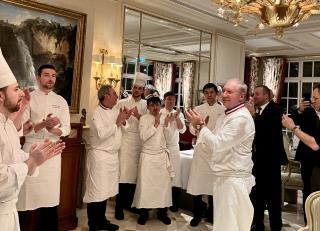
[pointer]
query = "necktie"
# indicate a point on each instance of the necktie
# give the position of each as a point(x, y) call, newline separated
point(259, 111)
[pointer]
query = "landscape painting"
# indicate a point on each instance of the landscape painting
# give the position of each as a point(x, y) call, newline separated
point(32, 34)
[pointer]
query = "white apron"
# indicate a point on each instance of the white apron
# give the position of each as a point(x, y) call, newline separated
point(9, 220)
point(201, 176)
point(42, 190)
point(154, 181)
point(233, 210)
point(102, 176)
point(129, 157)
point(175, 162)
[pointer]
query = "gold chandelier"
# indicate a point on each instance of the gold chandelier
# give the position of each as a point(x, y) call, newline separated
point(277, 14)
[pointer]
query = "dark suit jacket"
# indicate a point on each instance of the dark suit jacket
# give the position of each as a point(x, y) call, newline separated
point(268, 141)
point(309, 123)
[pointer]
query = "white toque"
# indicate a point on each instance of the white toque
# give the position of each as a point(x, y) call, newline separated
point(6, 76)
point(140, 79)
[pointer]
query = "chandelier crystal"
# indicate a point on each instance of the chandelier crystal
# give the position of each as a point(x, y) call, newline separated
point(277, 14)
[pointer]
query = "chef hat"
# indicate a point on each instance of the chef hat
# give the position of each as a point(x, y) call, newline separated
point(6, 76)
point(140, 79)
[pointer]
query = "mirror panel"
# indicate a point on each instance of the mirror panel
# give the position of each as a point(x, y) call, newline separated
point(171, 44)
point(131, 25)
point(169, 35)
point(205, 44)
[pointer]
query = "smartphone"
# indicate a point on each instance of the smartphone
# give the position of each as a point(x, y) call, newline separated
point(306, 96)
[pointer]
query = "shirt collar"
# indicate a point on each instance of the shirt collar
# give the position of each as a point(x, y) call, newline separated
point(229, 111)
point(263, 107)
point(103, 107)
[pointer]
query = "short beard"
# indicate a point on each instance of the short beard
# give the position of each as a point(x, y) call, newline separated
point(10, 106)
point(47, 87)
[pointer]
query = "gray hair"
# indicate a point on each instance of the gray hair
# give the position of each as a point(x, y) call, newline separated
point(104, 89)
point(242, 87)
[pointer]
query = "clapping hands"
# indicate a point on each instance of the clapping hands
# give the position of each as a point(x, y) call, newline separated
point(51, 121)
point(134, 112)
point(123, 115)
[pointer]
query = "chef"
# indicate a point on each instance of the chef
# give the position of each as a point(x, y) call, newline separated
point(230, 153)
point(15, 164)
point(102, 160)
point(155, 170)
point(200, 179)
point(131, 145)
point(49, 113)
point(176, 126)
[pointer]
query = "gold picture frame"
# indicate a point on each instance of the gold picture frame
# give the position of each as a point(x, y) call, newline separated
point(33, 33)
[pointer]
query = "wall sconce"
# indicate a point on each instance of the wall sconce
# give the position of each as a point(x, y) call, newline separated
point(107, 69)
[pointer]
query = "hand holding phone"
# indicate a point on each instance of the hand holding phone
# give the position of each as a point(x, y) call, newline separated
point(306, 97)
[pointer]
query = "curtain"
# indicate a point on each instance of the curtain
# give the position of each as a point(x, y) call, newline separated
point(188, 74)
point(273, 75)
point(269, 71)
point(254, 74)
point(163, 77)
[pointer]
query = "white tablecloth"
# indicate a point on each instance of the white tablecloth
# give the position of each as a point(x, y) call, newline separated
point(186, 159)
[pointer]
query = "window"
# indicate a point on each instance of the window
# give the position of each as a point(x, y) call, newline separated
point(129, 71)
point(301, 77)
point(178, 88)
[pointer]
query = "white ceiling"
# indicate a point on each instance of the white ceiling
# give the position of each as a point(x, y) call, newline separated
point(303, 40)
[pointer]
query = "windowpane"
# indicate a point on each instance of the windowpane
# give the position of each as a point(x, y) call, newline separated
point(176, 87)
point(130, 68)
point(181, 100)
point(314, 84)
point(143, 69)
point(283, 104)
point(293, 89)
point(285, 90)
point(150, 70)
point(307, 69)
point(129, 83)
point(286, 70)
point(294, 69)
point(177, 72)
point(316, 72)
point(306, 89)
point(292, 105)
point(123, 83)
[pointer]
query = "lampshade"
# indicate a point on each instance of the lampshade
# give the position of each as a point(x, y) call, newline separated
point(97, 58)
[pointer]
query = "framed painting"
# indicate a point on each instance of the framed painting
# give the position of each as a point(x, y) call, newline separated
point(33, 34)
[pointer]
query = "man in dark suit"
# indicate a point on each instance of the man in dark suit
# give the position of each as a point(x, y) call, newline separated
point(268, 156)
point(307, 117)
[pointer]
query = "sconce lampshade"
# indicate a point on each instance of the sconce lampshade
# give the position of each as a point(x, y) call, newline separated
point(97, 58)
point(112, 60)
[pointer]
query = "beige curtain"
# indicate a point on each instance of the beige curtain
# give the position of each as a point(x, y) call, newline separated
point(163, 77)
point(188, 74)
point(273, 74)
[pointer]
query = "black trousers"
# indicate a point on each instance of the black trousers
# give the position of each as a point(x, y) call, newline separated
point(175, 197)
point(267, 193)
point(125, 196)
point(200, 208)
point(96, 213)
point(40, 219)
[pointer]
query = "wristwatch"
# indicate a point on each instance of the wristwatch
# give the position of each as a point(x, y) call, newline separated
point(200, 126)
